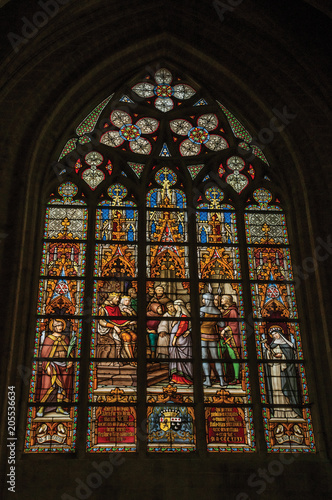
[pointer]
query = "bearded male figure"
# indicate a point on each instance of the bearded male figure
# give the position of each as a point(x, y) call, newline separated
point(210, 326)
point(57, 370)
point(160, 297)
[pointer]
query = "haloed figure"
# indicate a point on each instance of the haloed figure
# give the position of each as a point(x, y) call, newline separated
point(281, 375)
point(57, 370)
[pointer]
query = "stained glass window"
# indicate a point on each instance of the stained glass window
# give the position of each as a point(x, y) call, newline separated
point(153, 301)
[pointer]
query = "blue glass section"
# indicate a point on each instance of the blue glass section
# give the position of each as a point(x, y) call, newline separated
point(131, 234)
point(164, 151)
point(104, 218)
point(125, 98)
point(153, 200)
point(179, 200)
point(201, 102)
point(228, 217)
point(134, 127)
point(158, 88)
point(228, 220)
point(190, 136)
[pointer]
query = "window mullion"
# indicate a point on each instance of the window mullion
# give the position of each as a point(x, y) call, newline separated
point(141, 331)
point(196, 334)
point(250, 334)
point(87, 325)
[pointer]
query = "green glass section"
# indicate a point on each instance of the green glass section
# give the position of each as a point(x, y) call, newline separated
point(259, 153)
point(70, 145)
point(137, 168)
point(84, 139)
point(89, 123)
point(245, 146)
point(238, 129)
point(194, 170)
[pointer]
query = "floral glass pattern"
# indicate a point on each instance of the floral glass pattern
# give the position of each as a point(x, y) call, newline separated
point(163, 90)
point(130, 132)
point(198, 135)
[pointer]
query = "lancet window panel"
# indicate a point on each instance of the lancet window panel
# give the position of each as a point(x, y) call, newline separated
point(169, 369)
point(226, 386)
point(287, 418)
point(113, 366)
point(117, 218)
point(169, 346)
point(216, 228)
point(54, 383)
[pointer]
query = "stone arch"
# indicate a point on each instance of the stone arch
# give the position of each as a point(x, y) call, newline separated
point(272, 80)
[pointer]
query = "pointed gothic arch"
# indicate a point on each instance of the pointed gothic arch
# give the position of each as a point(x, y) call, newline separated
point(157, 151)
